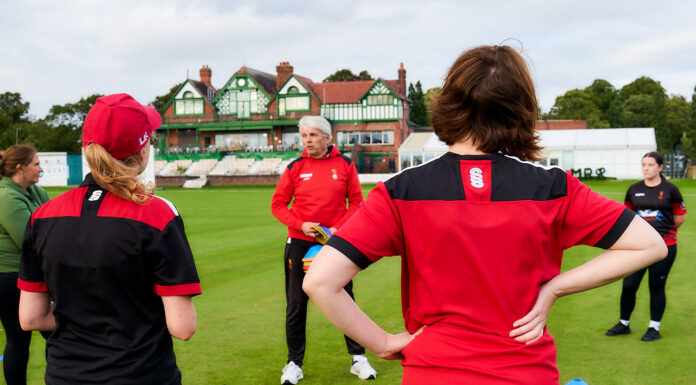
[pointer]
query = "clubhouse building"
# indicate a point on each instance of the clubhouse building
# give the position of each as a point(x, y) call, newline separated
point(257, 111)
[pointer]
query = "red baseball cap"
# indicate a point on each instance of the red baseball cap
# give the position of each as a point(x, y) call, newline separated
point(119, 124)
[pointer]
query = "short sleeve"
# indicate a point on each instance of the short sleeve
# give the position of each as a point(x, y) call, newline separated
point(31, 275)
point(173, 266)
point(373, 232)
point(591, 219)
point(678, 206)
point(628, 202)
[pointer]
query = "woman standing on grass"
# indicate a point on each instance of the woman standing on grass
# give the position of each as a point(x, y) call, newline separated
point(481, 232)
point(19, 197)
point(106, 266)
point(660, 203)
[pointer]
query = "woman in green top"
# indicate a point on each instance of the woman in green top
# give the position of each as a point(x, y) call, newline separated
point(19, 197)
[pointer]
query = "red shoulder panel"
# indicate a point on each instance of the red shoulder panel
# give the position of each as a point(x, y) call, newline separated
point(68, 204)
point(156, 212)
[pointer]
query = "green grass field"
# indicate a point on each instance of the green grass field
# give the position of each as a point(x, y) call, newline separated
point(240, 338)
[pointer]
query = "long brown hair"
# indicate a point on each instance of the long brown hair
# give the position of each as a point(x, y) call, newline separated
point(14, 156)
point(488, 97)
point(120, 177)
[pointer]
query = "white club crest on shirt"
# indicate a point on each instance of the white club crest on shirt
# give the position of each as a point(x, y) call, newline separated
point(96, 194)
point(476, 177)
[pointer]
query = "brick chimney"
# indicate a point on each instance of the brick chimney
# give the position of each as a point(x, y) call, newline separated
point(206, 74)
point(284, 70)
point(402, 80)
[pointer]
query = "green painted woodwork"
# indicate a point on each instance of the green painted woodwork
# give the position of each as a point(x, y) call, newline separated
point(231, 126)
point(236, 98)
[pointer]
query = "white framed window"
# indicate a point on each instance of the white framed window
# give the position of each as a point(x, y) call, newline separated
point(380, 99)
point(365, 137)
point(189, 105)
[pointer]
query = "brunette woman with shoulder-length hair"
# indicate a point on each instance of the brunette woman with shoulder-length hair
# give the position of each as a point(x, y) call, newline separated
point(20, 195)
point(488, 97)
point(114, 261)
point(481, 233)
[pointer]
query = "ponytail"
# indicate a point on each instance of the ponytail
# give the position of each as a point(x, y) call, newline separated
point(120, 177)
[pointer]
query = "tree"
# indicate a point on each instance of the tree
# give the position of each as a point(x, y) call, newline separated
point(577, 105)
point(677, 123)
point(602, 94)
point(13, 113)
point(65, 122)
point(162, 100)
point(346, 75)
point(692, 122)
point(418, 112)
point(688, 146)
point(45, 137)
point(71, 114)
point(644, 104)
point(429, 97)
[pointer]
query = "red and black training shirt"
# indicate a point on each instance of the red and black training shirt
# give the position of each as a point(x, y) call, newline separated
point(105, 263)
point(478, 236)
point(657, 205)
point(318, 190)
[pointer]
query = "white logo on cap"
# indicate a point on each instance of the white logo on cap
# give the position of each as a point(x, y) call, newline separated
point(143, 139)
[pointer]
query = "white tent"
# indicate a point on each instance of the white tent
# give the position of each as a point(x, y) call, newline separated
point(616, 150)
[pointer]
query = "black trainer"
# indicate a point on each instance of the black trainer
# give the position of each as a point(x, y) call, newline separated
point(618, 329)
point(651, 334)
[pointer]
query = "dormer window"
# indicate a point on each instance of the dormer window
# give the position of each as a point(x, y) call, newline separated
point(189, 104)
point(293, 101)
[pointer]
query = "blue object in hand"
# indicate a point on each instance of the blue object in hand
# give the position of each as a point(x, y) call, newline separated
point(309, 257)
point(576, 381)
point(323, 233)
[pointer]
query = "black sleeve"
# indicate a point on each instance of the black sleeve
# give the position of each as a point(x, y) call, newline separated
point(173, 267)
point(31, 275)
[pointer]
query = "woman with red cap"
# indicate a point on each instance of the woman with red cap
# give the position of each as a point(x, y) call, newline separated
point(107, 267)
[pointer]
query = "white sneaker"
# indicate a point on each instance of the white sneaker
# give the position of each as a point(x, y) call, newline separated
point(361, 368)
point(291, 374)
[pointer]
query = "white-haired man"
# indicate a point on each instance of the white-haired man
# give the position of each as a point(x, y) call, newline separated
point(320, 181)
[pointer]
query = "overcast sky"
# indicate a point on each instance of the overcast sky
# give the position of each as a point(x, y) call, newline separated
point(55, 52)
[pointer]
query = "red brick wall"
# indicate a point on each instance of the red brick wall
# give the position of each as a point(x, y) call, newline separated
point(561, 125)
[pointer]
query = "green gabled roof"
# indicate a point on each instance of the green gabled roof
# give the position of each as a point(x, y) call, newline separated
point(248, 74)
point(380, 83)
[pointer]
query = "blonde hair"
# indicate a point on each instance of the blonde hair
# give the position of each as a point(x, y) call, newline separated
point(120, 177)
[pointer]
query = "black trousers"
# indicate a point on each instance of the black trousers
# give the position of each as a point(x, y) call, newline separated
point(296, 311)
point(658, 273)
point(16, 354)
